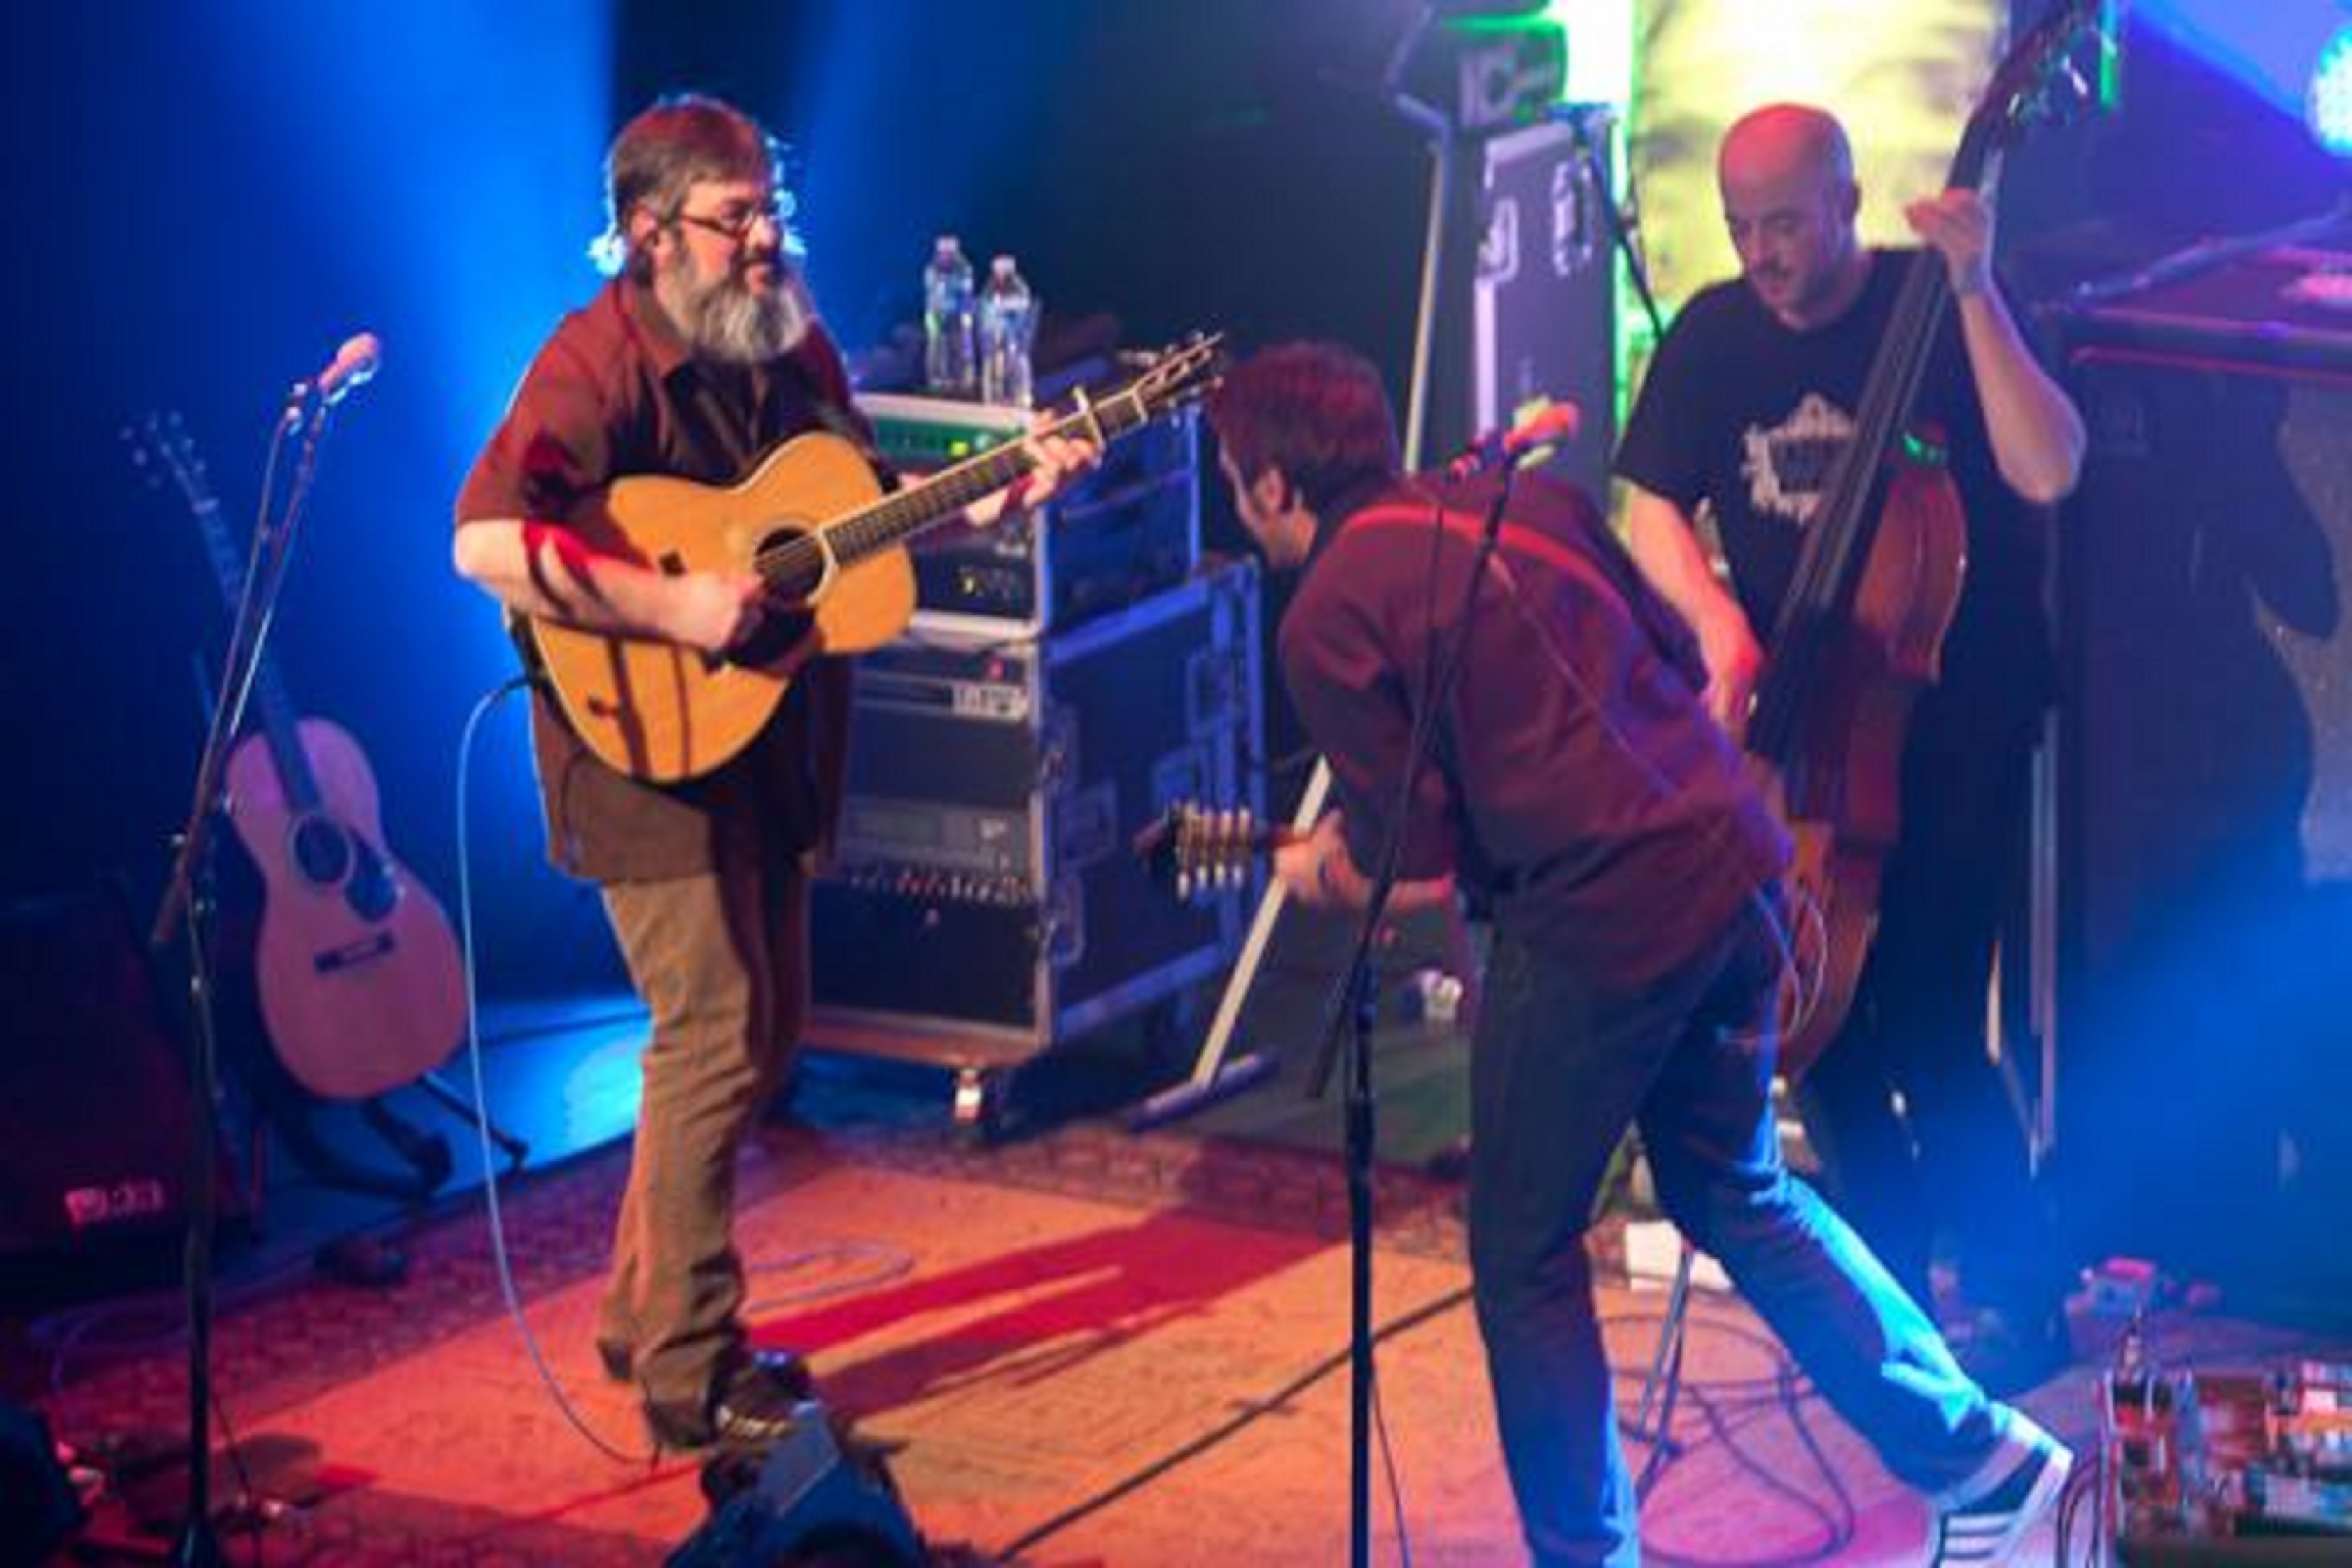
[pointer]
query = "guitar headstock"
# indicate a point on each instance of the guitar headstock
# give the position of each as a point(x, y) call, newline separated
point(2049, 76)
point(162, 448)
point(1196, 851)
point(1181, 372)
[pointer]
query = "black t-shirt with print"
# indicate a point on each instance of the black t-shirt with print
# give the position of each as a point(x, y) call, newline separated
point(1747, 415)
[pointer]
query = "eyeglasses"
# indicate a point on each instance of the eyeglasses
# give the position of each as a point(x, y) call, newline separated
point(735, 223)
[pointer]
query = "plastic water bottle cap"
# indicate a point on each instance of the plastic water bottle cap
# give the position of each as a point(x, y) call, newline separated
point(1002, 266)
point(947, 242)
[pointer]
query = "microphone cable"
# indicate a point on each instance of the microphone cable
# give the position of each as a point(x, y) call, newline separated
point(889, 1262)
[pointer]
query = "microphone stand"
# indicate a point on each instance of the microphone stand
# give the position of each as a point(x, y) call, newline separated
point(1348, 1018)
point(1663, 1385)
point(1612, 215)
point(187, 909)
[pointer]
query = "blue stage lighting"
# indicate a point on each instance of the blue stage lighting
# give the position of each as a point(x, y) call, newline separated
point(2328, 103)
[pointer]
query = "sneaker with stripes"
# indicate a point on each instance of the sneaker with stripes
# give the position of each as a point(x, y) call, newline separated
point(1990, 1527)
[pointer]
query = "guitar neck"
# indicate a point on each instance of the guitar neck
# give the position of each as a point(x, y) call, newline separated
point(1845, 526)
point(895, 519)
point(274, 707)
point(1840, 536)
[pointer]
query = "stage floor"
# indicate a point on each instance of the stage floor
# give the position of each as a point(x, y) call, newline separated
point(1030, 1324)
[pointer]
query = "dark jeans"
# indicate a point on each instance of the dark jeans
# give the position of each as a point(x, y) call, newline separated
point(1559, 1069)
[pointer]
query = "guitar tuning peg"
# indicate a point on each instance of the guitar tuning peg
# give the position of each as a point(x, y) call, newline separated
point(2078, 89)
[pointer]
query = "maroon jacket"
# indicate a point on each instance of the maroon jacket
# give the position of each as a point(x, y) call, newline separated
point(1577, 779)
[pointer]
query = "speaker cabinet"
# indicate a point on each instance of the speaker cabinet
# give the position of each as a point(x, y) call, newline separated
point(1528, 305)
point(2205, 810)
point(986, 901)
point(93, 1088)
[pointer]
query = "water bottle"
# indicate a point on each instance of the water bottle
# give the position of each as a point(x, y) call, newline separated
point(948, 364)
point(1008, 321)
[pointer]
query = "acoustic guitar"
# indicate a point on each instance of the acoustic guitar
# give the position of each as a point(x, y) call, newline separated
point(812, 521)
point(357, 969)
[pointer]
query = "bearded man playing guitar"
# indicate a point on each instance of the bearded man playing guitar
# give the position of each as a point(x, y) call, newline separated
point(1751, 400)
point(700, 359)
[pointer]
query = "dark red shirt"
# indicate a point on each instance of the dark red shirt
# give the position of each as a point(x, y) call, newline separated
point(1577, 779)
point(614, 393)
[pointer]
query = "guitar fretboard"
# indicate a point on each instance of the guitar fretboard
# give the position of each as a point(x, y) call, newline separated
point(895, 519)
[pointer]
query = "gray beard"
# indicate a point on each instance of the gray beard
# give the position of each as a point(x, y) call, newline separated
point(729, 322)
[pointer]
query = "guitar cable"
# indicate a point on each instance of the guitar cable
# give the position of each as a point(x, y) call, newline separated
point(1729, 1405)
point(501, 1262)
point(890, 1262)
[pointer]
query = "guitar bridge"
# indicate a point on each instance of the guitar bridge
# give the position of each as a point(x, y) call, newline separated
point(330, 960)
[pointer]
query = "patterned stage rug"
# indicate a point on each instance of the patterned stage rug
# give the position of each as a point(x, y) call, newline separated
point(1032, 1325)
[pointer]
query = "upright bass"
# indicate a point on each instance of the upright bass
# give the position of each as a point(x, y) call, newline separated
point(1878, 580)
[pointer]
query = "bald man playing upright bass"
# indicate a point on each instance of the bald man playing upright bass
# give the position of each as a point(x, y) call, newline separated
point(1752, 394)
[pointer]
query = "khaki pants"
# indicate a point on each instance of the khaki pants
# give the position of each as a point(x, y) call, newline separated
point(721, 959)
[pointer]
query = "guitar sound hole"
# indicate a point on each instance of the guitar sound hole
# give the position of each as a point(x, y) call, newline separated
point(322, 851)
point(373, 892)
point(794, 574)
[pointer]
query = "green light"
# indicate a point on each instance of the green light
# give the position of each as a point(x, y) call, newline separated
point(1488, 25)
point(1928, 454)
point(2111, 56)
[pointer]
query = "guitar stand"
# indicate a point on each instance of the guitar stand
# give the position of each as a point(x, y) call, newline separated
point(426, 1155)
point(290, 1110)
point(515, 1148)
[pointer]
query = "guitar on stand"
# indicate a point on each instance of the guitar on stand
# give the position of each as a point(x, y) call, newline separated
point(356, 971)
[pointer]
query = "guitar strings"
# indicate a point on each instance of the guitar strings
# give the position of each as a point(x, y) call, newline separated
point(1828, 565)
point(876, 528)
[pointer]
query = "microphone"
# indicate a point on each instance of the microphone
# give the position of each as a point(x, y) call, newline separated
point(1544, 426)
point(353, 366)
